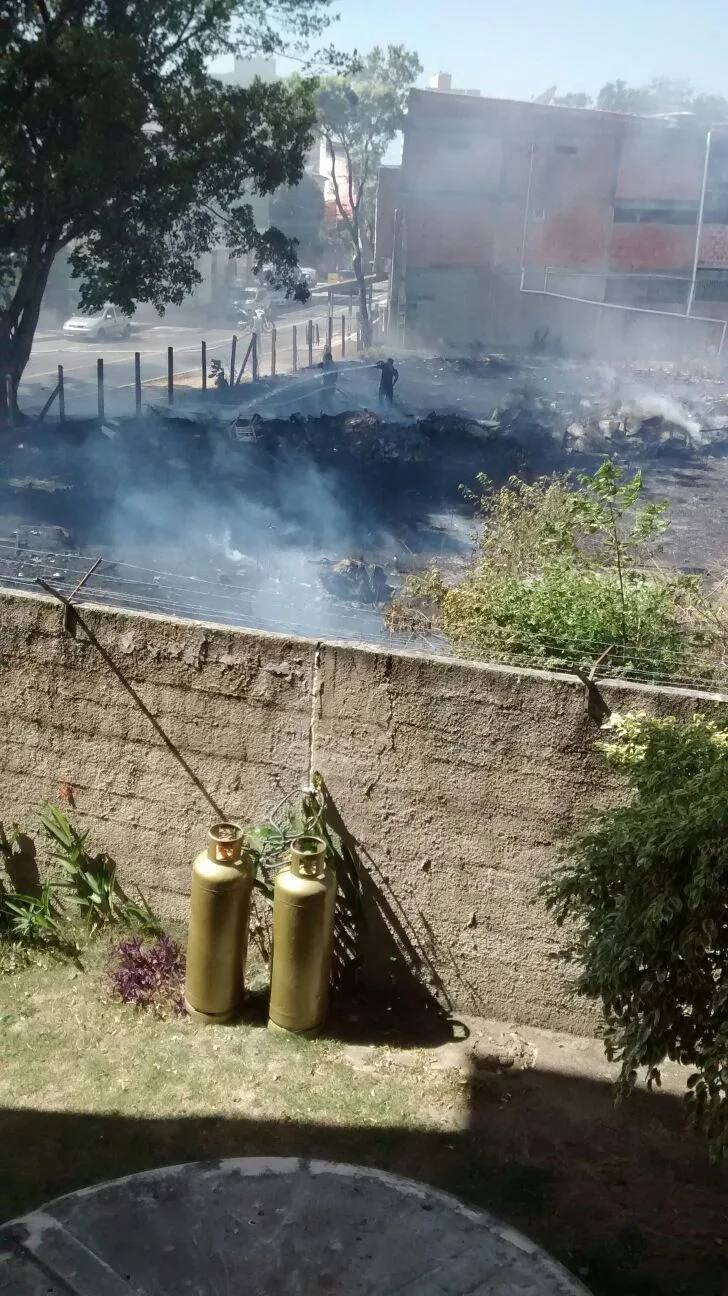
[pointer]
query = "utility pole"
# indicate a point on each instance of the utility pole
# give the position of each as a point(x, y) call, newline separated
point(701, 214)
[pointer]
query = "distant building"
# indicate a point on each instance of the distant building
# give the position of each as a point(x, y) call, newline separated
point(389, 196)
point(245, 71)
point(442, 82)
point(497, 196)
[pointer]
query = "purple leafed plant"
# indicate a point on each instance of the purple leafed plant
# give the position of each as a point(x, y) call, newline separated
point(149, 975)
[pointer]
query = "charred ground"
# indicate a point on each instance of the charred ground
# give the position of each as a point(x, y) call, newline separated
point(183, 505)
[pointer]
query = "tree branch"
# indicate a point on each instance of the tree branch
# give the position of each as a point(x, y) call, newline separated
point(337, 193)
point(44, 14)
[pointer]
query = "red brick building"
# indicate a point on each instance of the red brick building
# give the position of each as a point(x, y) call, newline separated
point(498, 196)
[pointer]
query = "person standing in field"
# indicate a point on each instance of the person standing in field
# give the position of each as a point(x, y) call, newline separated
point(330, 376)
point(390, 376)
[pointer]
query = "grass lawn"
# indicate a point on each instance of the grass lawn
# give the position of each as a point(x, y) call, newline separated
point(92, 1089)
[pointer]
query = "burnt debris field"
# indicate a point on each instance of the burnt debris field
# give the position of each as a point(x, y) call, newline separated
point(257, 508)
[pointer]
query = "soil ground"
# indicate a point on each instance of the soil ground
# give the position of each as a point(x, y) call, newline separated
point(519, 1121)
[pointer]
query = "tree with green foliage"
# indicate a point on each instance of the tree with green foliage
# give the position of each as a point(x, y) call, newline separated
point(661, 95)
point(642, 893)
point(115, 142)
point(359, 115)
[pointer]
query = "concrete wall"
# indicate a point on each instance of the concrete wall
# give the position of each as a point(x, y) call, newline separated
point(455, 779)
point(452, 308)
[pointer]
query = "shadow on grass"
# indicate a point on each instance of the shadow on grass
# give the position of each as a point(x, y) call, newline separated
point(625, 1199)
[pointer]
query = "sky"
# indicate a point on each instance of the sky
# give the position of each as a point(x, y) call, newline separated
point(519, 48)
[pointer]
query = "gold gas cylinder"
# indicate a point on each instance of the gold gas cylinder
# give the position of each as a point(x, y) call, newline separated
point(303, 935)
point(222, 884)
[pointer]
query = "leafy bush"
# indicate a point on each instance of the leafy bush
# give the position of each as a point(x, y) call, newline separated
point(643, 891)
point(29, 918)
point(559, 577)
point(91, 879)
point(570, 615)
point(149, 975)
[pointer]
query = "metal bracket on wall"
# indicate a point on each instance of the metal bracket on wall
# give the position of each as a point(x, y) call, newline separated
point(596, 707)
point(68, 616)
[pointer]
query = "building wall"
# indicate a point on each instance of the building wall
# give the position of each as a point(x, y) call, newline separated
point(389, 188)
point(491, 187)
point(456, 780)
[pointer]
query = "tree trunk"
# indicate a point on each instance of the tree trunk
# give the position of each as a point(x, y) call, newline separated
point(364, 321)
point(18, 322)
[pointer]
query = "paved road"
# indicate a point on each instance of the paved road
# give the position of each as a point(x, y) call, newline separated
point(79, 359)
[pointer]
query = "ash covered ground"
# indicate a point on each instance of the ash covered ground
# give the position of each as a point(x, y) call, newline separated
point(255, 508)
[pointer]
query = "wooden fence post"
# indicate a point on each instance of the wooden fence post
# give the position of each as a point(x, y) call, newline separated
point(170, 374)
point(273, 336)
point(246, 357)
point(254, 358)
point(100, 387)
point(233, 349)
point(330, 332)
point(318, 334)
point(138, 382)
point(61, 395)
point(294, 349)
point(309, 339)
point(343, 335)
point(203, 362)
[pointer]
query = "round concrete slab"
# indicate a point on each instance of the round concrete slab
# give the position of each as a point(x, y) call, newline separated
point(270, 1228)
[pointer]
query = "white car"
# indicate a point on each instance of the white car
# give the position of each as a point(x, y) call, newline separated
point(97, 325)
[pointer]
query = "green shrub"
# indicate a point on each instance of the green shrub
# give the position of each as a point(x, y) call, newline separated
point(91, 880)
point(569, 615)
point(642, 893)
point(562, 576)
point(29, 918)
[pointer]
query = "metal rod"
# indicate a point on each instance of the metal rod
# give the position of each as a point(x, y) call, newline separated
point(254, 357)
point(309, 339)
point(138, 382)
point(61, 395)
point(527, 211)
point(129, 688)
point(170, 374)
point(100, 387)
point(203, 363)
point(68, 611)
point(273, 336)
point(343, 335)
point(329, 331)
point(699, 231)
point(294, 349)
point(318, 333)
point(233, 349)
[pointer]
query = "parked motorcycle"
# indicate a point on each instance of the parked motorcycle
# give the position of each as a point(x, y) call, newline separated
point(217, 374)
point(256, 319)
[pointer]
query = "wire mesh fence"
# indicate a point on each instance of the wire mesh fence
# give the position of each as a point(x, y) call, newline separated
point(269, 597)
